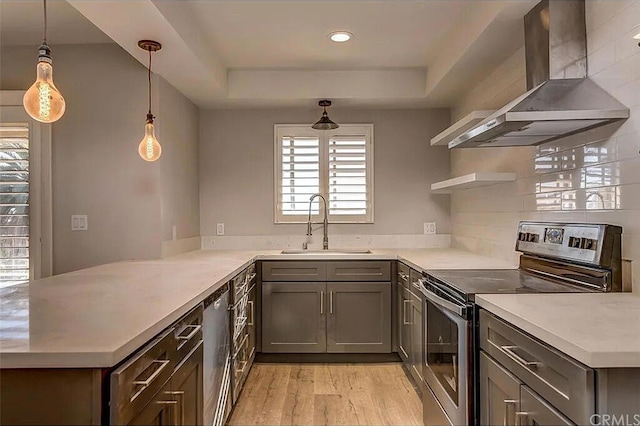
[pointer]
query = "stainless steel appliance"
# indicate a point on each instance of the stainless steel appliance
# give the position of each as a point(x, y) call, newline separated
point(557, 258)
point(161, 383)
point(560, 100)
point(217, 358)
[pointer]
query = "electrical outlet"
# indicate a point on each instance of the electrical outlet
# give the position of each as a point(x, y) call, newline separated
point(79, 222)
point(220, 229)
point(429, 227)
point(174, 232)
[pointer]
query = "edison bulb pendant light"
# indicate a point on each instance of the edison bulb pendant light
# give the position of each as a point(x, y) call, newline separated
point(43, 101)
point(149, 148)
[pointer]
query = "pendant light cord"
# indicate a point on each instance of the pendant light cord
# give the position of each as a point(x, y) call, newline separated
point(44, 3)
point(149, 80)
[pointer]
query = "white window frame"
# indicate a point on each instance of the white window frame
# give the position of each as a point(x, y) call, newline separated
point(281, 130)
point(40, 198)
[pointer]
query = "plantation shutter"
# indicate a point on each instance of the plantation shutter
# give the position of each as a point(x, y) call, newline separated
point(348, 175)
point(300, 174)
point(14, 204)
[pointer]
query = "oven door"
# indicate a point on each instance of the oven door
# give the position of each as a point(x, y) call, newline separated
point(446, 361)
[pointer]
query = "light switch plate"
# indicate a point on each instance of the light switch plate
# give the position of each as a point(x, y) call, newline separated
point(79, 222)
point(429, 228)
point(220, 229)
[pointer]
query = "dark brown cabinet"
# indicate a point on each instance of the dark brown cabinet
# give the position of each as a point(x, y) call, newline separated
point(410, 321)
point(186, 388)
point(404, 334)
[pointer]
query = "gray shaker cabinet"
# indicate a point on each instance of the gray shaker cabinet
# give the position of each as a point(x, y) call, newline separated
point(359, 317)
point(404, 336)
point(293, 318)
point(499, 393)
point(326, 306)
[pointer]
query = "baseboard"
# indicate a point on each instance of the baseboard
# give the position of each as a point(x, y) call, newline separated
point(326, 358)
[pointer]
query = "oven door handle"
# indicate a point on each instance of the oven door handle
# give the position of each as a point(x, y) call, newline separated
point(443, 303)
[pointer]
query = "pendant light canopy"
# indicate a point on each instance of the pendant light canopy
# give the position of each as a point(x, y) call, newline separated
point(149, 148)
point(325, 123)
point(43, 101)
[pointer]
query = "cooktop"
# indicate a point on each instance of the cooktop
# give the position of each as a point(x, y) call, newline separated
point(478, 281)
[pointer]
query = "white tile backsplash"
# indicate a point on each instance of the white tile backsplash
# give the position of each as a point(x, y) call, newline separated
point(589, 177)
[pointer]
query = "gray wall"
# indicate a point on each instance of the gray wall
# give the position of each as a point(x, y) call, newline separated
point(179, 187)
point(236, 169)
point(95, 165)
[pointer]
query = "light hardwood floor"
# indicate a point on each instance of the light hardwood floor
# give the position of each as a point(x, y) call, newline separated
point(328, 394)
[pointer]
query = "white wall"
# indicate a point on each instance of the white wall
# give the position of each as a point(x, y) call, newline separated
point(484, 219)
point(95, 165)
point(236, 170)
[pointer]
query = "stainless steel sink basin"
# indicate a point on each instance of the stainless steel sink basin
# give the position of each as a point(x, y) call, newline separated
point(327, 252)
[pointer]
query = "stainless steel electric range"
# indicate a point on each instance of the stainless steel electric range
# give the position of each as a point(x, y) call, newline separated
point(556, 258)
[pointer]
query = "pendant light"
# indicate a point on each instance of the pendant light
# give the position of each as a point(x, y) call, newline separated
point(149, 148)
point(43, 101)
point(324, 123)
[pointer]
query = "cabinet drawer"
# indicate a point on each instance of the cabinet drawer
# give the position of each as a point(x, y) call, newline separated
point(403, 275)
point(359, 270)
point(414, 284)
point(294, 271)
point(565, 383)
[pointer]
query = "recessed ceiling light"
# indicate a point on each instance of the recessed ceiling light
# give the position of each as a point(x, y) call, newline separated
point(637, 36)
point(340, 36)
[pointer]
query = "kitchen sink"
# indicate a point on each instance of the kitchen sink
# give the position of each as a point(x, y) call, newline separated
point(328, 252)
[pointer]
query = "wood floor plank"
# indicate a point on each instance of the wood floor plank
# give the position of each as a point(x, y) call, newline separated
point(298, 403)
point(323, 394)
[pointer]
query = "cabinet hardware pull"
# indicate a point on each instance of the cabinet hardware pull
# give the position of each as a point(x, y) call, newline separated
point(194, 330)
point(404, 312)
point(321, 302)
point(145, 383)
point(520, 415)
point(172, 404)
point(251, 310)
point(181, 395)
point(331, 302)
point(508, 349)
point(508, 405)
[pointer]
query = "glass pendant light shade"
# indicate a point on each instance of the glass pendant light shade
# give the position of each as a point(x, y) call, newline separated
point(325, 122)
point(149, 148)
point(43, 101)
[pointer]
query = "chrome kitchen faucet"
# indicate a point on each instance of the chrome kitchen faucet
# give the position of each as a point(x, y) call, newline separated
point(325, 224)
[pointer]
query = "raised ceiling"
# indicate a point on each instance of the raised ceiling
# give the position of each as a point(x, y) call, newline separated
point(225, 53)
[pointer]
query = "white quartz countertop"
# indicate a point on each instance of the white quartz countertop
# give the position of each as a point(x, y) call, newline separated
point(599, 330)
point(98, 316)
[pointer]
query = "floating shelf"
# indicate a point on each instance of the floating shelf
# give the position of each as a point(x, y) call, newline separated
point(472, 180)
point(459, 127)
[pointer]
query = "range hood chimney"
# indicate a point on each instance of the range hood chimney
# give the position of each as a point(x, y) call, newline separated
point(560, 99)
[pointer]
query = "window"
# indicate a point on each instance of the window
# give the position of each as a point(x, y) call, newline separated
point(14, 204)
point(26, 234)
point(336, 163)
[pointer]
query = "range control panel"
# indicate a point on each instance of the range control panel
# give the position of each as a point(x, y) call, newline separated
point(578, 242)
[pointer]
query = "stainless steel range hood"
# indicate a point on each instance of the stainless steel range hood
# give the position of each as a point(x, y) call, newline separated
point(560, 100)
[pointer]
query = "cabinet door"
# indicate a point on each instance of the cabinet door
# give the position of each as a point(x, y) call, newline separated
point(160, 411)
point(293, 317)
point(186, 387)
point(359, 317)
point(417, 331)
point(499, 394)
point(536, 411)
point(404, 321)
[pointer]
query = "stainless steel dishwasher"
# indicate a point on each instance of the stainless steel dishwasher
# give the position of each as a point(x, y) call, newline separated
point(217, 358)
